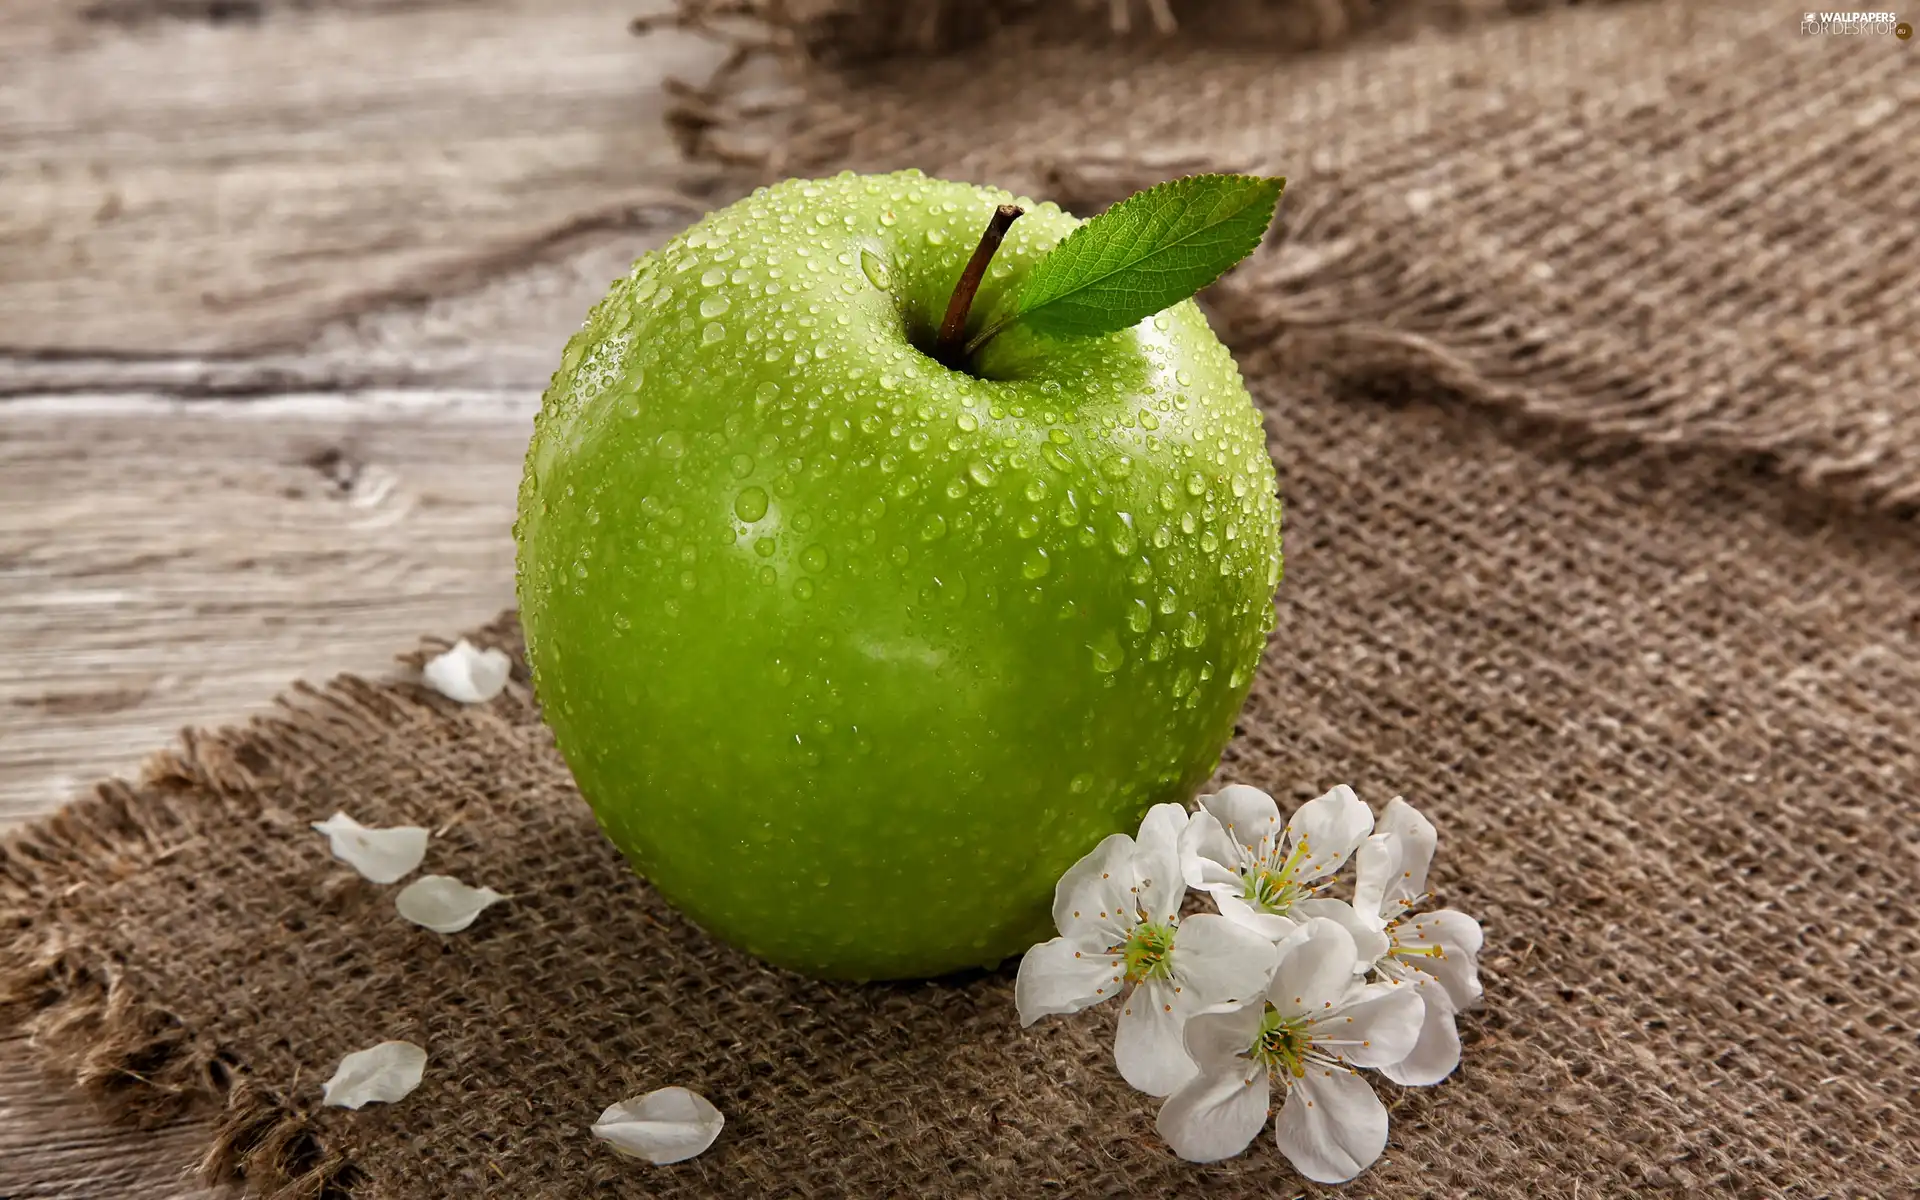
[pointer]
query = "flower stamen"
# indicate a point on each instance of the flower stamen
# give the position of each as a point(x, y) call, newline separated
point(1148, 952)
point(1284, 1045)
point(1270, 887)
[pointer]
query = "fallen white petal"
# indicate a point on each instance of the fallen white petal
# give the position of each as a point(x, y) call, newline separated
point(664, 1126)
point(382, 855)
point(377, 1075)
point(442, 903)
point(467, 673)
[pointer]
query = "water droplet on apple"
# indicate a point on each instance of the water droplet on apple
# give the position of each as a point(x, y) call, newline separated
point(875, 269)
point(873, 509)
point(751, 504)
point(1121, 535)
point(741, 466)
point(956, 489)
point(1118, 467)
point(933, 528)
point(713, 333)
point(814, 558)
point(715, 306)
point(803, 589)
point(1183, 377)
point(1139, 618)
point(1209, 542)
point(1142, 571)
point(936, 237)
point(1108, 655)
point(1036, 563)
point(670, 444)
point(1028, 525)
point(766, 394)
point(764, 547)
point(1187, 523)
point(1193, 631)
point(1080, 784)
point(917, 442)
point(967, 422)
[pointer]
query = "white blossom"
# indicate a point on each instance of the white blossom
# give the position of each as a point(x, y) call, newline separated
point(467, 673)
point(1434, 953)
point(381, 855)
point(442, 903)
point(1258, 872)
point(1121, 935)
point(669, 1125)
point(379, 1074)
point(1314, 1023)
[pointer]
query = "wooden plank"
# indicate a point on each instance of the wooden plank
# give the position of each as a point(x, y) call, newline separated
point(216, 185)
point(176, 567)
point(167, 561)
point(505, 331)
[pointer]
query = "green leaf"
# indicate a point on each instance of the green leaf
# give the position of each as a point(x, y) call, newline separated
point(1147, 253)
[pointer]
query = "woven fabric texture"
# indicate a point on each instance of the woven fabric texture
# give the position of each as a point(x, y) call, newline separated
point(1585, 353)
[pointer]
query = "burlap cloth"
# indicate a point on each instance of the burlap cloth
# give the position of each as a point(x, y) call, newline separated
point(1587, 350)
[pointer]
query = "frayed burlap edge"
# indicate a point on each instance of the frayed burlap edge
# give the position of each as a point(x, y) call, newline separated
point(855, 32)
point(812, 42)
point(85, 1026)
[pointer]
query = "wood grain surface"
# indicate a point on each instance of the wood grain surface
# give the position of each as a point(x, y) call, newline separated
point(280, 283)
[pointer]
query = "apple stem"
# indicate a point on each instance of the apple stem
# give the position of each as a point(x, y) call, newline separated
point(951, 344)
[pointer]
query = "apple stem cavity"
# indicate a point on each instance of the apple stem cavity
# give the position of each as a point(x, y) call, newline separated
point(951, 346)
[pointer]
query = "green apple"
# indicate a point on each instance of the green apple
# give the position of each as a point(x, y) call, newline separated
point(851, 652)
